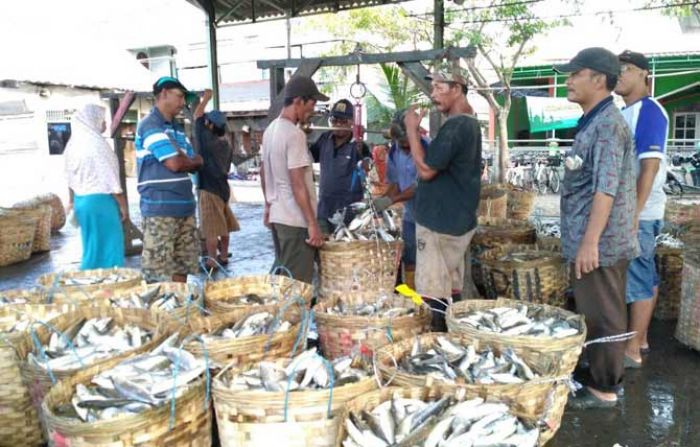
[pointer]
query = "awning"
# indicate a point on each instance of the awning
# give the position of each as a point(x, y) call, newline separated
point(551, 113)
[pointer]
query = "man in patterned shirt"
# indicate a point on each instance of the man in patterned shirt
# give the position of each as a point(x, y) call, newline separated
point(164, 160)
point(597, 211)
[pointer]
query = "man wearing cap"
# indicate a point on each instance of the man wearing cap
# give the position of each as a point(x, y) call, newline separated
point(338, 155)
point(598, 201)
point(649, 124)
point(447, 194)
point(216, 218)
point(287, 180)
point(164, 160)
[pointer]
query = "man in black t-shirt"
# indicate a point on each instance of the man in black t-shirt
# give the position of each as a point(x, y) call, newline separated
point(447, 195)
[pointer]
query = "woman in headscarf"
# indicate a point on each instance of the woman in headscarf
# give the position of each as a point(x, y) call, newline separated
point(96, 195)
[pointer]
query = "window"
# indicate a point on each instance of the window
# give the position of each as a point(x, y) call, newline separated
point(686, 126)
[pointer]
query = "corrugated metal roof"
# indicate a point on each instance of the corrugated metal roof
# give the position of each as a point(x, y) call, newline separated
point(247, 11)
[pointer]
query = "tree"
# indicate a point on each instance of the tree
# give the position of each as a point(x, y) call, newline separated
point(681, 8)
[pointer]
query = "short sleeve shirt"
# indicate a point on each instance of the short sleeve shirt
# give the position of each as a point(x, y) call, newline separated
point(447, 203)
point(649, 124)
point(401, 171)
point(604, 144)
point(284, 147)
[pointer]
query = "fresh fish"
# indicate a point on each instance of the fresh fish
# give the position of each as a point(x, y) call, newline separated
point(521, 320)
point(367, 225)
point(381, 307)
point(261, 323)
point(154, 298)
point(90, 280)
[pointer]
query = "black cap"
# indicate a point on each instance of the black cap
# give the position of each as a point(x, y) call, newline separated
point(167, 83)
point(303, 86)
point(343, 109)
point(636, 59)
point(596, 58)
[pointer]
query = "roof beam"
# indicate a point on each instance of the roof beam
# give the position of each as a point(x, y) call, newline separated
point(361, 58)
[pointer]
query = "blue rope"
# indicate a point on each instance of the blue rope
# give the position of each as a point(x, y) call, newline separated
point(331, 384)
point(42, 351)
point(176, 371)
point(284, 269)
point(278, 317)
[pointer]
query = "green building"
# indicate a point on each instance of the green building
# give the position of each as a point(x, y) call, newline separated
point(540, 110)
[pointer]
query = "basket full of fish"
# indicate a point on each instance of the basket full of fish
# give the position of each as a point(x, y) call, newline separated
point(158, 397)
point(233, 294)
point(245, 336)
point(179, 300)
point(287, 402)
point(525, 272)
point(59, 348)
point(20, 422)
point(554, 336)
point(359, 323)
point(433, 417)
point(362, 256)
point(97, 284)
point(492, 373)
point(493, 232)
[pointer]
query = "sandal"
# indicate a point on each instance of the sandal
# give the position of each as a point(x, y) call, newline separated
point(221, 260)
point(585, 400)
point(631, 363)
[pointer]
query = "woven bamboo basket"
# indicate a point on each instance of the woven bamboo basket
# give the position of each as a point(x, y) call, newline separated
point(222, 296)
point(191, 426)
point(530, 399)
point(549, 243)
point(493, 201)
point(496, 232)
point(342, 335)
point(58, 212)
point(40, 381)
point(669, 264)
point(688, 327)
point(241, 351)
point(58, 292)
point(256, 418)
point(192, 297)
point(682, 212)
point(20, 424)
point(520, 203)
point(369, 401)
point(542, 280)
point(556, 355)
point(358, 266)
point(42, 229)
point(16, 239)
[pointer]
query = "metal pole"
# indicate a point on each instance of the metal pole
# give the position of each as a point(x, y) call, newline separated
point(438, 44)
point(213, 56)
point(289, 34)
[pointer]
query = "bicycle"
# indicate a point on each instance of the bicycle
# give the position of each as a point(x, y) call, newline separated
point(546, 176)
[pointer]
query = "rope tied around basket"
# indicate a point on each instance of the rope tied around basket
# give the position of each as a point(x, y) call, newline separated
point(42, 352)
point(217, 266)
point(190, 301)
point(611, 339)
point(331, 383)
point(56, 288)
point(278, 318)
point(176, 371)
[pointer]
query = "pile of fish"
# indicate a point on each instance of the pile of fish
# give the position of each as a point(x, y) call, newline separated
point(7, 300)
point(472, 423)
point(520, 320)
point(305, 372)
point(549, 230)
point(367, 225)
point(87, 341)
point(453, 363)
point(261, 323)
point(382, 307)
point(253, 299)
point(153, 299)
point(112, 278)
point(135, 385)
point(522, 256)
point(667, 240)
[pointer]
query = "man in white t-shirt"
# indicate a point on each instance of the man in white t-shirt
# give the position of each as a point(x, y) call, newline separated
point(649, 124)
point(287, 181)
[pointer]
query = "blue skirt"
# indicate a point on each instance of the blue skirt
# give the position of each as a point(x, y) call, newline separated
point(100, 230)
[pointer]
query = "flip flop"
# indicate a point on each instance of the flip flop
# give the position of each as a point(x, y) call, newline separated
point(222, 261)
point(585, 400)
point(631, 363)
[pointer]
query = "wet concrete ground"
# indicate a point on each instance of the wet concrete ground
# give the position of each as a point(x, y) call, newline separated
point(658, 407)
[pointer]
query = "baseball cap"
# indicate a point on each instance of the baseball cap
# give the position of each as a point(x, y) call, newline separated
point(303, 86)
point(168, 82)
point(634, 58)
point(444, 76)
point(217, 118)
point(594, 58)
point(343, 109)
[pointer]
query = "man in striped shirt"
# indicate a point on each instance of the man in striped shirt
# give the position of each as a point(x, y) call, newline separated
point(165, 159)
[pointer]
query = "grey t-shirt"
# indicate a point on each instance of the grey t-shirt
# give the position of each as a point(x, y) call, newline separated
point(604, 144)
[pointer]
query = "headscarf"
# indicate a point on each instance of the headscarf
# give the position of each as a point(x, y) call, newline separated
point(91, 164)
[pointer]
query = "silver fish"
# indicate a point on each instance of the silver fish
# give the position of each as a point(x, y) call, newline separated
point(521, 320)
point(382, 307)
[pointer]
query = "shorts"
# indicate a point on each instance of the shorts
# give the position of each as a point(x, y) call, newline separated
point(408, 234)
point(642, 276)
point(170, 247)
point(216, 218)
point(440, 262)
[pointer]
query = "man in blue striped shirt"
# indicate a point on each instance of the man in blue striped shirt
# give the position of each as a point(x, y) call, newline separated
point(164, 160)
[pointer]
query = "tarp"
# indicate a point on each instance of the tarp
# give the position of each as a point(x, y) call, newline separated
point(551, 113)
